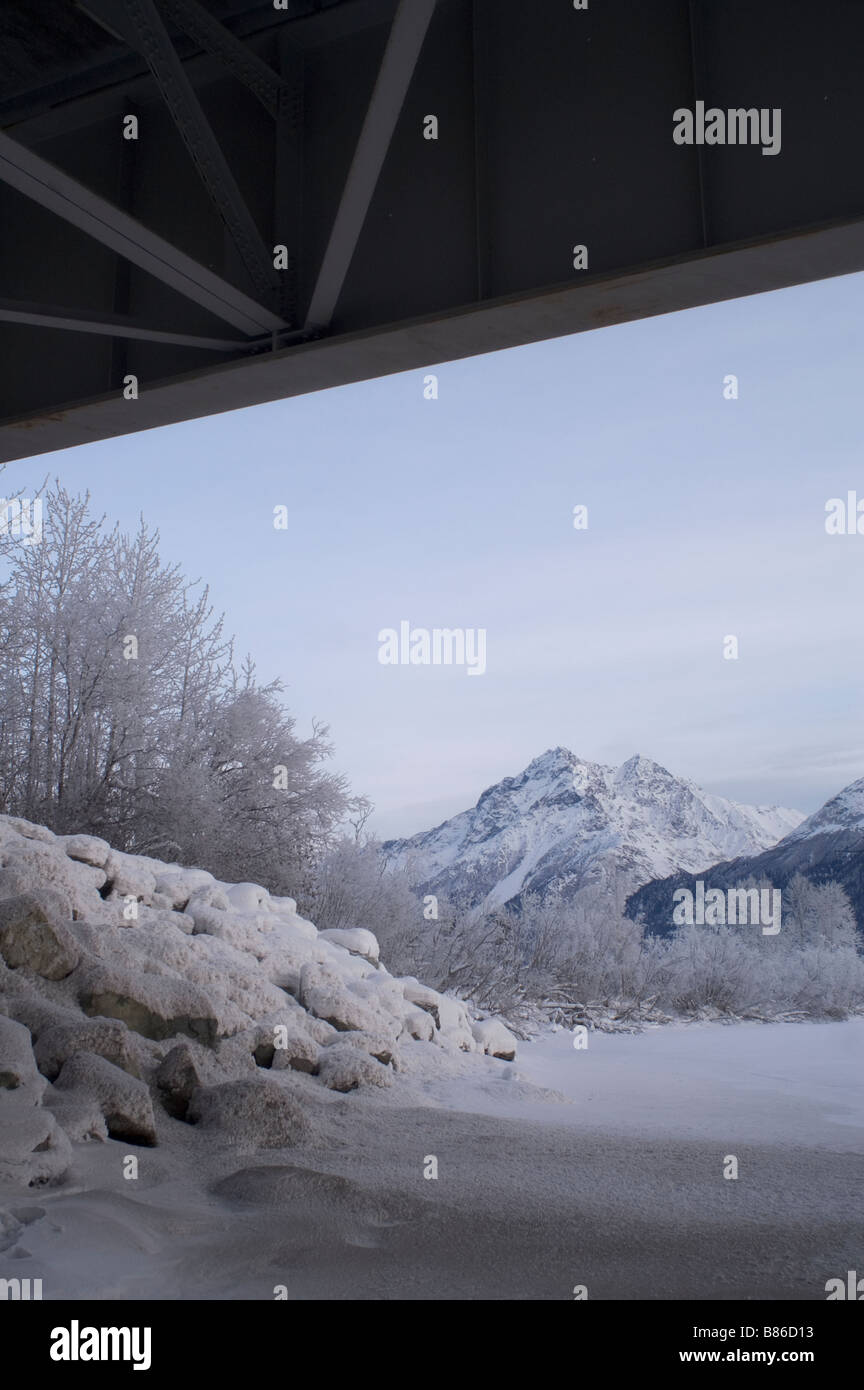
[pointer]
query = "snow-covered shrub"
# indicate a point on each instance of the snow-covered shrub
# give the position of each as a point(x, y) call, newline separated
point(811, 966)
point(817, 912)
point(352, 888)
point(707, 967)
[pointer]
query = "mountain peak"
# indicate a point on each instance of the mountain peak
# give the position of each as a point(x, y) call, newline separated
point(558, 757)
point(640, 767)
point(845, 811)
point(565, 824)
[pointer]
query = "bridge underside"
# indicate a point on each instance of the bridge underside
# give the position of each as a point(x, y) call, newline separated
point(283, 221)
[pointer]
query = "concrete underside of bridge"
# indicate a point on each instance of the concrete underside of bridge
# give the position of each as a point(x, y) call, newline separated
point(283, 220)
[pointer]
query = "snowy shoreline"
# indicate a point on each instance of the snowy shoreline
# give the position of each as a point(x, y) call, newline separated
point(602, 1185)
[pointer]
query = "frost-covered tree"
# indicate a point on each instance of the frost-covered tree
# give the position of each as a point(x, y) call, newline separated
point(353, 887)
point(812, 966)
point(817, 914)
point(122, 713)
point(244, 796)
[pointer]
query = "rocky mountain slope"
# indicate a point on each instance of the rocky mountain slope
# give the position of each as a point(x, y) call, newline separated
point(827, 845)
point(564, 824)
point(139, 998)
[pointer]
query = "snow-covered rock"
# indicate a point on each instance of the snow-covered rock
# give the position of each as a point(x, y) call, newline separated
point(494, 1038)
point(79, 1115)
point(107, 1037)
point(17, 1064)
point(123, 1099)
point(377, 1045)
point(131, 876)
point(208, 895)
point(419, 1024)
point(247, 897)
point(188, 1066)
point(297, 1050)
point(357, 940)
point(137, 995)
point(180, 886)
point(89, 849)
point(454, 1021)
point(325, 995)
point(26, 830)
point(254, 1114)
point(284, 1040)
point(33, 1147)
point(30, 865)
point(154, 1005)
point(344, 1068)
point(20, 999)
point(451, 1017)
point(421, 995)
point(33, 934)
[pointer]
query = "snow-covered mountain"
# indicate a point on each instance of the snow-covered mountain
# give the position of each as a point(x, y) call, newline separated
point(844, 813)
point(827, 845)
point(565, 824)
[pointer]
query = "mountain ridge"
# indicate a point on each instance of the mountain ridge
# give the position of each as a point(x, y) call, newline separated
point(564, 824)
point(827, 845)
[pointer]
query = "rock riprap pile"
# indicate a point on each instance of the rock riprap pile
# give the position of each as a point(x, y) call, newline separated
point(136, 995)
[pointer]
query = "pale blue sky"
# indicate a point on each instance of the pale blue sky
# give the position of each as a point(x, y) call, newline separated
point(706, 517)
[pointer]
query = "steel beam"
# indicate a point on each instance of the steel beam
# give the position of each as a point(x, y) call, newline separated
point(662, 288)
point(698, 79)
point(480, 152)
point(139, 23)
point(309, 29)
point(121, 298)
point(288, 174)
point(554, 127)
point(110, 325)
point(52, 189)
point(318, 28)
point(394, 77)
point(215, 39)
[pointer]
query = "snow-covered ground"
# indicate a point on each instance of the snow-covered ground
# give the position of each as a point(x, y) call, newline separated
point(789, 1083)
point(614, 1181)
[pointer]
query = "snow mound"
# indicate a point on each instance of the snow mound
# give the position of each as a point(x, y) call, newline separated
point(255, 1114)
point(18, 1067)
point(494, 1038)
point(355, 939)
point(344, 1068)
point(137, 995)
point(123, 1100)
point(33, 1148)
